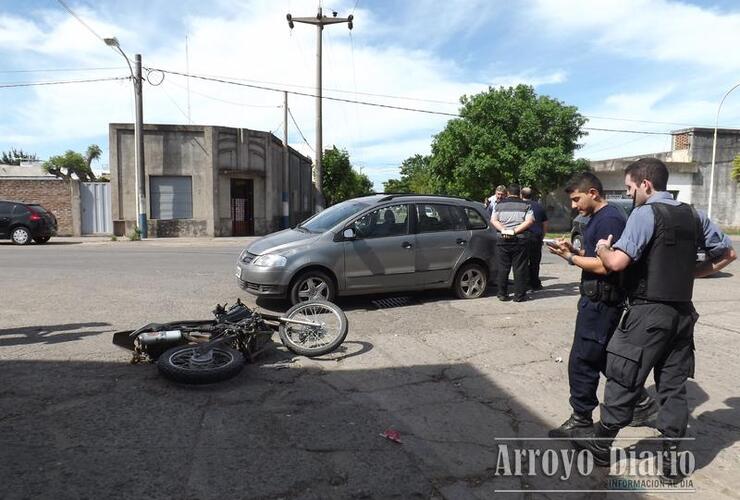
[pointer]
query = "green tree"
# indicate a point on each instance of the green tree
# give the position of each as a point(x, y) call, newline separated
point(69, 164)
point(416, 177)
point(340, 181)
point(93, 153)
point(507, 135)
point(15, 156)
point(736, 169)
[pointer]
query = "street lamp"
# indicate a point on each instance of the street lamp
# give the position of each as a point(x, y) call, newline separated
point(714, 151)
point(138, 135)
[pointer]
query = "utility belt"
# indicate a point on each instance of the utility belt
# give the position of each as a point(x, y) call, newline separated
point(602, 291)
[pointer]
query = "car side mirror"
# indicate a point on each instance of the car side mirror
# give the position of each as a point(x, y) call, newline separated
point(349, 234)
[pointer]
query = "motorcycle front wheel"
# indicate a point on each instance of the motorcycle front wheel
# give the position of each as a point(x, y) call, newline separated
point(328, 331)
point(185, 364)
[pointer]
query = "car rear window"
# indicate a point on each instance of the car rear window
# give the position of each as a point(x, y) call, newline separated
point(475, 219)
point(38, 209)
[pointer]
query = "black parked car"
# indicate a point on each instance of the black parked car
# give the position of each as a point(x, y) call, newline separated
point(22, 222)
point(580, 221)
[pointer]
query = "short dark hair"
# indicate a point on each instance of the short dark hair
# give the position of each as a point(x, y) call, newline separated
point(583, 182)
point(527, 193)
point(651, 169)
point(514, 189)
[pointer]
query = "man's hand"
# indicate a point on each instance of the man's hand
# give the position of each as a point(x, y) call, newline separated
point(563, 249)
point(567, 245)
point(508, 233)
point(607, 243)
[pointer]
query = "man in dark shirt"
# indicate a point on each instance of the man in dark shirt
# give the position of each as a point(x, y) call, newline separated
point(536, 234)
point(599, 308)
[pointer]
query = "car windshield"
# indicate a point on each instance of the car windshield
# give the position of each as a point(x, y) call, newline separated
point(326, 219)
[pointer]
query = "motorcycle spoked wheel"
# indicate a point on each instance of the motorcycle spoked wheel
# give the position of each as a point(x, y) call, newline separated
point(183, 364)
point(313, 341)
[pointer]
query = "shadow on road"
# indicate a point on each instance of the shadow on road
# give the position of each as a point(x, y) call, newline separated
point(82, 429)
point(48, 334)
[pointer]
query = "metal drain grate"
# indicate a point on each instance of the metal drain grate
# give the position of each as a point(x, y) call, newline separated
point(391, 302)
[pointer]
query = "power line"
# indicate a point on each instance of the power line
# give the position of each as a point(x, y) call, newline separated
point(226, 101)
point(72, 13)
point(54, 70)
point(299, 131)
point(61, 82)
point(626, 131)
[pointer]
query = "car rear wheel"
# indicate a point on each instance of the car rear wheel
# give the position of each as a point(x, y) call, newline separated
point(470, 282)
point(21, 236)
point(312, 285)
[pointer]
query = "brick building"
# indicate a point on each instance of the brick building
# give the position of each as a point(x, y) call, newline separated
point(30, 184)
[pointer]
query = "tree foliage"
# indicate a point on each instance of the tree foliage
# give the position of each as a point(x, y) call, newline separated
point(15, 156)
point(416, 177)
point(507, 135)
point(340, 181)
point(68, 165)
point(72, 163)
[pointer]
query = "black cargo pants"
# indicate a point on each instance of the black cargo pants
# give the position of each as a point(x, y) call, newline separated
point(651, 336)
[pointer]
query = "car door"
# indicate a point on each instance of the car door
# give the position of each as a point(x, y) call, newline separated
point(381, 256)
point(6, 210)
point(442, 236)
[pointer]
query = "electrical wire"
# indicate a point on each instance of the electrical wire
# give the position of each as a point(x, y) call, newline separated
point(72, 13)
point(70, 70)
point(61, 82)
point(225, 101)
point(299, 131)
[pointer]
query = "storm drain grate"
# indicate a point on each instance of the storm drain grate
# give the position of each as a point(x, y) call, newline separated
point(391, 302)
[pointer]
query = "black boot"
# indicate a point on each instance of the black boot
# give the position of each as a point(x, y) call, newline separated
point(669, 468)
point(645, 412)
point(577, 423)
point(598, 442)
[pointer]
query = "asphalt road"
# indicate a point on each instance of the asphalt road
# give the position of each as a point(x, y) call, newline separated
point(456, 378)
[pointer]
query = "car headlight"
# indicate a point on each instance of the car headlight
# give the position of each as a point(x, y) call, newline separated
point(270, 260)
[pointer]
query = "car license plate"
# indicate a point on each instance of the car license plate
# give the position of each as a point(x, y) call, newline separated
point(238, 272)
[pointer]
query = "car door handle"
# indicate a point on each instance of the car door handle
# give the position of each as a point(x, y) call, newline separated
point(461, 242)
point(407, 245)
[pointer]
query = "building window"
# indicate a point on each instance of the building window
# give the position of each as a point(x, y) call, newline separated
point(171, 197)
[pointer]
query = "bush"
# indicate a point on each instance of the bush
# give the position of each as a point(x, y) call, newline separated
point(135, 235)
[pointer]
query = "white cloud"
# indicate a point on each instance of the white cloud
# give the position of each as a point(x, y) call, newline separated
point(656, 30)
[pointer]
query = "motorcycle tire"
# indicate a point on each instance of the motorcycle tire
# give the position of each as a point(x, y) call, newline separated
point(181, 364)
point(310, 341)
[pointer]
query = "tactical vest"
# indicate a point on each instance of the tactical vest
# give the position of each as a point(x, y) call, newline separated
point(512, 211)
point(665, 271)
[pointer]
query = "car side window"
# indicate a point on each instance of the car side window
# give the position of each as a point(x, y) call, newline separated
point(475, 219)
point(386, 221)
point(20, 210)
point(6, 209)
point(434, 218)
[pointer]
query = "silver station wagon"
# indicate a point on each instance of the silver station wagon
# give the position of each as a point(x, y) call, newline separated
point(375, 244)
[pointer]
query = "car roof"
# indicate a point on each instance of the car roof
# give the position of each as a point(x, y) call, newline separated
point(413, 197)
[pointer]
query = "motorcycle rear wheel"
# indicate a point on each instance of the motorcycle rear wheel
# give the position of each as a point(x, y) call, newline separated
point(314, 341)
point(183, 364)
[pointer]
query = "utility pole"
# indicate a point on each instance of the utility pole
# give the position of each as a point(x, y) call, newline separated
point(319, 21)
point(139, 139)
point(286, 165)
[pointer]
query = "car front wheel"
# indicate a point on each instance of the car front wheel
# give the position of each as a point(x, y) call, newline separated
point(21, 236)
point(312, 285)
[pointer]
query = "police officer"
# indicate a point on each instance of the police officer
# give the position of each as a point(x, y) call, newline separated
point(657, 251)
point(537, 234)
point(512, 218)
point(599, 307)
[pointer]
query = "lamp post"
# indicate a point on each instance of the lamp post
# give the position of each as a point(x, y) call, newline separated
point(138, 136)
point(714, 151)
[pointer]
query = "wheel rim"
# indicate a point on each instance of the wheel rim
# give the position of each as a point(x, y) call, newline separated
point(20, 236)
point(311, 337)
point(313, 288)
point(577, 244)
point(190, 359)
point(472, 283)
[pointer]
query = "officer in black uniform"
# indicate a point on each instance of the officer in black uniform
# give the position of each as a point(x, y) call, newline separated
point(512, 218)
point(656, 332)
point(599, 308)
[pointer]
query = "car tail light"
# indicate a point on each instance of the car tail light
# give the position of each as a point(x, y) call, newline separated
point(35, 216)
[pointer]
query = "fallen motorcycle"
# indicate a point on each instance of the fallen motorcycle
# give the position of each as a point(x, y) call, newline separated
point(207, 351)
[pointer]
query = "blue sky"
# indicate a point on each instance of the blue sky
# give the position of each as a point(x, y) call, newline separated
point(633, 64)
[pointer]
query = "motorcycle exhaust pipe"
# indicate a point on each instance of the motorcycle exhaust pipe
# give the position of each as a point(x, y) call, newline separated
point(162, 337)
